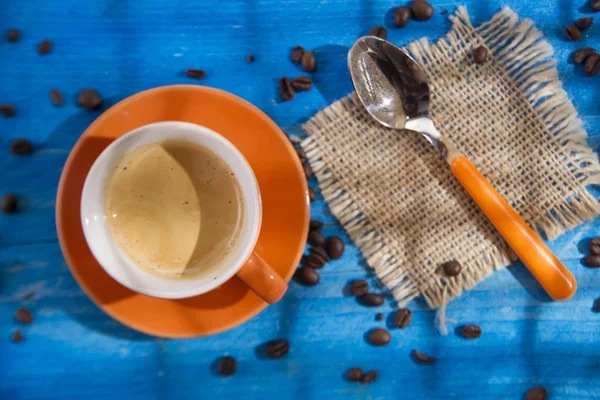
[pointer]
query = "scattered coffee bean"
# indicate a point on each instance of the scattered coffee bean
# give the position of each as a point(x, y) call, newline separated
point(595, 4)
point(20, 147)
point(592, 65)
point(17, 336)
point(401, 16)
point(314, 261)
point(584, 23)
point(308, 61)
point(379, 31)
point(24, 316)
point(452, 268)
point(250, 58)
point(312, 195)
point(403, 318)
point(480, 55)
point(422, 10)
point(537, 393)
point(470, 331)
point(89, 99)
point(320, 252)
point(316, 238)
point(369, 377)
point(359, 287)
point(580, 55)
point(227, 366)
point(573, 32)
point(592, 260)
point(13, 35)
point(355, 374)
point(335, 247)
point(422, 358)
point(379, 317)
point(301, 154)
point(372, 299)
point(301, 83)
point(56, 97)
point(308, 172)
point(45, 47)
point(195, 73)
point(7, 110)
point(9, 203)
point(315, 225)
point(277, 348)
point(307, 276)
point(285, 89)
point(594, 245)
point(379, 337)
point(596, 306)
point(297, 53)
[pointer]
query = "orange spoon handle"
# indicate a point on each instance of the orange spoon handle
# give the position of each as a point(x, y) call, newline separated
point(558, 282)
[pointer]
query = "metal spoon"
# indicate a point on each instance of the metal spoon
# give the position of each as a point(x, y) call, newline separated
point(394, 90)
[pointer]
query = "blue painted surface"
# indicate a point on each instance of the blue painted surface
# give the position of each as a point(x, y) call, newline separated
point(74, 351)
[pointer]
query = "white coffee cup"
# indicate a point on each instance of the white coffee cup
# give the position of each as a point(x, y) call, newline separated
point(248, 266)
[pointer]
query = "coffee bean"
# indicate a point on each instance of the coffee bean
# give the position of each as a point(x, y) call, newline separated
point(227, 366)
point(592, 65)
point(470, 331)
point(17, 336)
point(89, 99)
point(308, 61)
point(56, 97)
point(379, 31)
point(422, 358)
point(308, 172)
point(24, 316)
point(372, 299)
point(369, 377)
point(301, 83)
point(379, 337)
point(315, 225)
point(20, 147)
point(573, 32)
point(301, 154)
point(355, 374)
point(401, 16)
point(307, 276)
point(314, 261)
point(452, 268)
point(297, 53)
point(334, 247)
point(312, 195)
point(480, 55)
point(359, 287)
point(422, 10)
point(277, 349)
point(250, 58)
point(316, 238)
point(195, 73)
point(285, 89)
point(45, 47)
point(595, 4)
point(379, 317)
point(584, 23)
point(13, 35)
point(9, 203)
point(320, 252)
point(594, 245)
point(596, 306)
point(7, 110)
point(580, 55)
point(403, 318)
point(537, 393)
point(592, 260)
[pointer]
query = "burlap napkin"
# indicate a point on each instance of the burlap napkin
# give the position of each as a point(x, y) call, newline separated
point(397, 198)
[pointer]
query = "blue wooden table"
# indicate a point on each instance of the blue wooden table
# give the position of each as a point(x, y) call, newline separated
point(120, 47)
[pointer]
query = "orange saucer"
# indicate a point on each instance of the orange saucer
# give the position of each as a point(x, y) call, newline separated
point(282, 185)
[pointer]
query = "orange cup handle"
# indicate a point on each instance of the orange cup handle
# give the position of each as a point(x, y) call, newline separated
point(558, 282)
point(262, 279)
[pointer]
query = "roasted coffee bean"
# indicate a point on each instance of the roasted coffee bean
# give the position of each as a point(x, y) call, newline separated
point(285, 89)
point(24, 316)
point(596, 306)
point(45, 47)
point(372, 299)
point(307, 276)
point(320, 252)
point(9, 203)
point(7, 110)
point(17, 336)
point(369, 377)
point(227, 366)
point(355, 374)
point(301, 83)
point(13, 35)
point(56, 97)
point(594, 245)
point(20, 146)
point(480, 55)
point(592, 260)
point(580, 55)
point(301, 154)
point(359, 287)
point(312, 195)
point(89, 99)
point(573, 32)
point(590, 64)
point(314, 261)
point(470, 331)
point(452, 268)
point(595, 4)
point(403, 318)
point(277, 348)
point(537, 393)
point(584, 23)
point(379, 337)
point(422, 358)
point(379, 317)
point(334, 247)
point(401, 16)
point(195, 73)
point(308, 61)
point(422, 10)
point(297, 53)
point(379, 31)
point(308, 172)
point(250, 58)
point(315, 225)
point(316, 238)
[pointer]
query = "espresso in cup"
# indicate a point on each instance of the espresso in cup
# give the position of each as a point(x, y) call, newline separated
point(175, 209)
